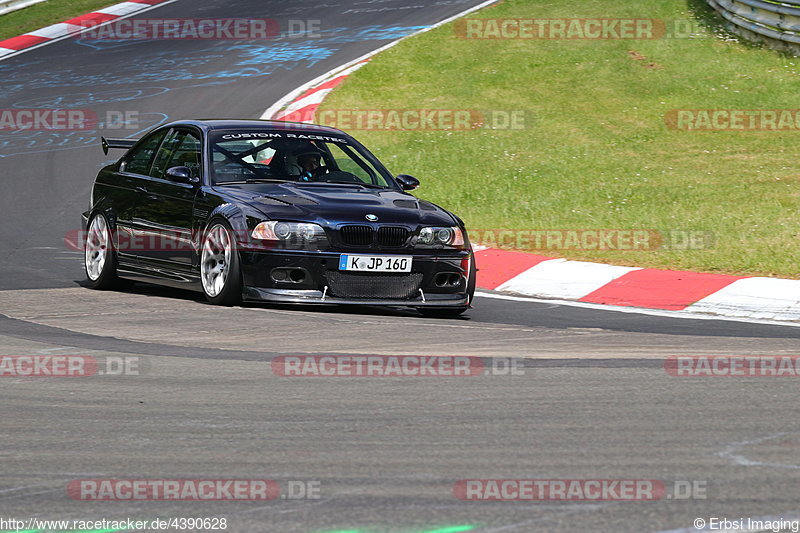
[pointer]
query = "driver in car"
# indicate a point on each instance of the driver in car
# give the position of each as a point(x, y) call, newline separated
point(310, 163)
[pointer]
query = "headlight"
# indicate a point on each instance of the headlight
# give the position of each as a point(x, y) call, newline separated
point(445, 236)
point(441, 236)
point(282, 230)
point(300, 235)
point(425, 236)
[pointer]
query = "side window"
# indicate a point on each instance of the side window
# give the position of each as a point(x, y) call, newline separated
point(187, 154)
point(138, 161)
point(347, 163)
point(241, 160)
point(181, 149)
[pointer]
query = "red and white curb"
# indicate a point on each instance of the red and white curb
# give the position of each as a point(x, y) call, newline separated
point(302, 107)
point(543, 277)
point(670, 292)
point(680, 293)
point(74, 26)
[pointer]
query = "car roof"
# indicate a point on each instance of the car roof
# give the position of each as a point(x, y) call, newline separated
point(209, 125)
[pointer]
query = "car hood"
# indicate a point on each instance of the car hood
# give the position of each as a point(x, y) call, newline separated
point(337, 204)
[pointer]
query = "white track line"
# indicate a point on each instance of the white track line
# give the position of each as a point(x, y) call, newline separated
point(635, 310)
point(732, 453)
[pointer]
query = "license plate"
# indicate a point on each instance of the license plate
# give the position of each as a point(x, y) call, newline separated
point(375, 263)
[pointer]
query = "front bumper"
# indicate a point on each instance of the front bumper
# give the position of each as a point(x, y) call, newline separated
point(322, 282)
point(316, 298)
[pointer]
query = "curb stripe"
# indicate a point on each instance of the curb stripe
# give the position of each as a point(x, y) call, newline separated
point(74, 26)
point(94, 18)
point(22, 42)
point(757, 297)
point(560, 278)
point(304, 103)
point(659, 289)
point(693, 293)
point(125, 8)
point(338, 76)
point(55, 31)
point(330, 84)
point(490, 275)
point(302, 108)
point(304, 114)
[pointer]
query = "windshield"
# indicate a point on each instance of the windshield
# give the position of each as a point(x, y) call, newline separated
point(270, 155)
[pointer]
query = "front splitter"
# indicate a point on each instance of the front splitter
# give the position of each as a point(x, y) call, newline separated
point(314, 297)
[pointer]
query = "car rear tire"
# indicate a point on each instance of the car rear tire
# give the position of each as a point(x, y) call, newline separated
point(99, 259)
point(220, 270)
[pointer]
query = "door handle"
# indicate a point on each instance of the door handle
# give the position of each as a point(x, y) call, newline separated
point(141, 189)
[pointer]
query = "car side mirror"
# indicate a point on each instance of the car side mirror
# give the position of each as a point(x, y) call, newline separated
point(407, 183)
point(182, 175)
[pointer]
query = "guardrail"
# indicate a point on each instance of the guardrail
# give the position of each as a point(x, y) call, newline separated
point(7, 6)
point(776, 24)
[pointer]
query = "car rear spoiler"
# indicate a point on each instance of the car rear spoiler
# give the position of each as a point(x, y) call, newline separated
point(126, 144)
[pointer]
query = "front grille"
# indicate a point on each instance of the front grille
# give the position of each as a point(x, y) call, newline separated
point(366, 285)
point(392, 236)
point(365, 235)
point(356, 235)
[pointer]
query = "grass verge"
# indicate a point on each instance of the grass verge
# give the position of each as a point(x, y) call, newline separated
point(595, 151)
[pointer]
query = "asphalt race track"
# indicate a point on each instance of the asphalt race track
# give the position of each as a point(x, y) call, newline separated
point(591, 399)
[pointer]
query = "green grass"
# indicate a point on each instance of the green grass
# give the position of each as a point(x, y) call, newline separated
point(597, 153)
point(46, 13)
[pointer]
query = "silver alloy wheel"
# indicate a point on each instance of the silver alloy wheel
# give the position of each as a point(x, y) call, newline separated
point(96, 248)
point(215, 260)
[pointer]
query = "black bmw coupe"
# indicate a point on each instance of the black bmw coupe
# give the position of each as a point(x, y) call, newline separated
point(272, 211)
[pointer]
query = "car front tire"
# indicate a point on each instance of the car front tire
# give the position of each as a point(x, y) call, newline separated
point(220, 270)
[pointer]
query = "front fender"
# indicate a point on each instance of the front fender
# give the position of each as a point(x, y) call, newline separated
point(241, 218)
